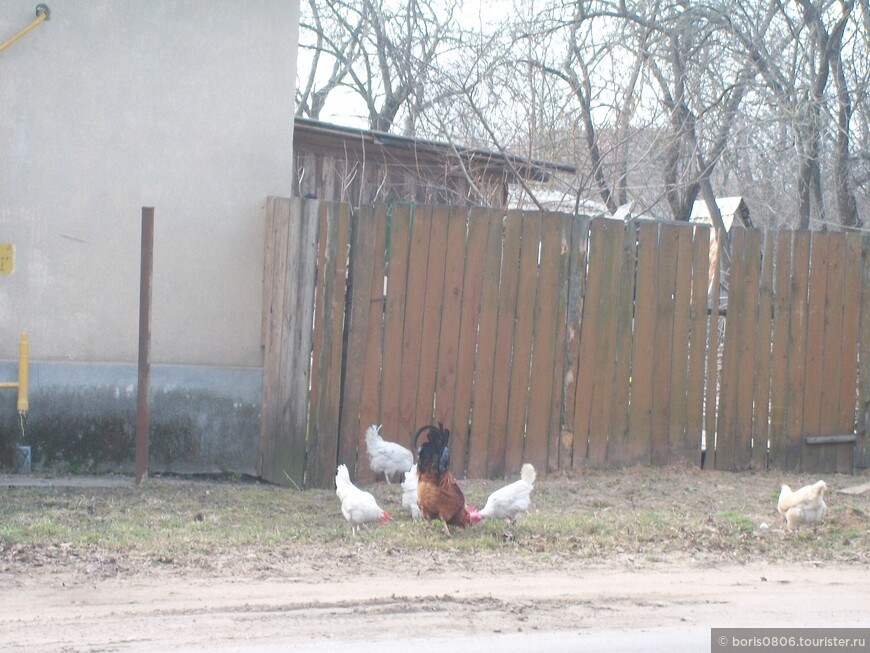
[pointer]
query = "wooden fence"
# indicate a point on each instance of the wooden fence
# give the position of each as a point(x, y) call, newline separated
point(555, 339)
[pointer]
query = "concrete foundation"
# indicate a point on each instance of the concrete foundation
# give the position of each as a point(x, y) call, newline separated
point(82, 418)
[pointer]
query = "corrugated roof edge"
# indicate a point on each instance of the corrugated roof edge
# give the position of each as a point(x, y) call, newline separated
point(387, 140)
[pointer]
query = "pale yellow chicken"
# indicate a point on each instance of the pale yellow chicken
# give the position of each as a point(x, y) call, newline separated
point(803, 507)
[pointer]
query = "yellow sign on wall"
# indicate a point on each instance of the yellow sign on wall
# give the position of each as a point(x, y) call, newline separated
point(7, 259)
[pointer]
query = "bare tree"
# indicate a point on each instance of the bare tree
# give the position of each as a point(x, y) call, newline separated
point(656, 61)
point(329, 39)
point(381, 50)
point(823, 47)
point(658, 102)
point(796, 68)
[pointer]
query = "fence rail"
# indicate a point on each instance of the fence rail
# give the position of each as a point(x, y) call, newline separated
point(555, 339)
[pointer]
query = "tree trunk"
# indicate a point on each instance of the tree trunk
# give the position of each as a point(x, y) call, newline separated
point(846, 204)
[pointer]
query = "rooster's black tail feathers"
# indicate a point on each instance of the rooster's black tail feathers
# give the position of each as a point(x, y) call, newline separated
point(433, 455)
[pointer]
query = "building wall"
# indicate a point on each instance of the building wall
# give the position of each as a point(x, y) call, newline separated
point(110, 106)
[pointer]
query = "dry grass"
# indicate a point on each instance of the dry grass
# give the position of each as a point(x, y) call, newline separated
point(639, 515)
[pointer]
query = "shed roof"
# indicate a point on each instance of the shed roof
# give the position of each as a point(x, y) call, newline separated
point(729, 207)
point(325, 137)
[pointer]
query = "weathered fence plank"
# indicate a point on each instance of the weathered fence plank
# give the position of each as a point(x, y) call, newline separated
point(815, 341)
point(298, 384)
point(269, 269)
point(399, 239)
point(642, 375)
point(679, 364)
point(530, 348)
point(412, 325)
point(605, 326)
point(748, 348)
point(832, 343)
point(568, 454)
point(362, 261)
point(797, 337)
point(320, 346)
point(689, 450)
point(665, 280)
point(761, 381)
point(779, 356)
point(863, 417)
point(322, 319)
point(370, 395)
point(414, 317)
point(587, 334)
point(472, 284)
point(544, 346)
point(726, 429)
point(504, 336)
point(448, 345)
point(557, 398)
point(478, 442)
point(288, 347)
point(527, 284)
point(433, 318)
point(849, 352)
point(711, 392)
point(619, 451)
point(327, 355)
point(273, 334)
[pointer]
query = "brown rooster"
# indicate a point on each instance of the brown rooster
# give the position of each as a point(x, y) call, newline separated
point(438, 495)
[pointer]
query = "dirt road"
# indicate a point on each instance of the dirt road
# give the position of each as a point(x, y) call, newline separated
point(54, 611)
point(665, 550)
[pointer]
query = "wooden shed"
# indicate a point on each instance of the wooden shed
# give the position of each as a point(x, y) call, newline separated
point(360, 166)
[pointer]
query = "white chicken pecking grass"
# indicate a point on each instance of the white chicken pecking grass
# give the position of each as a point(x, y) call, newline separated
point(511, 500)
point(386, 457)
point(358, 506)
point(409, 493)
point(805, 506)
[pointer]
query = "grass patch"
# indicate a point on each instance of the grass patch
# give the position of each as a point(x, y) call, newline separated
point(739, 522)
point(646, 515)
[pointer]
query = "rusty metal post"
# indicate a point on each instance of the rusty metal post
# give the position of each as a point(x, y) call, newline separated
point(143, 401)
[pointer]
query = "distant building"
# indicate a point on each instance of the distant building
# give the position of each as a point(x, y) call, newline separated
point(731, 208)
point(734, 210)
point(360, 166)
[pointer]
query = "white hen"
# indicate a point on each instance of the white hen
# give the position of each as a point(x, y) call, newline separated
point(805, 506)
point(387, 457)
point(509, 501)
point(357, 506)
point(409, 492)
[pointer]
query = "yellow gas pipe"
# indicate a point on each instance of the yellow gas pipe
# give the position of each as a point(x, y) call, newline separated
point(23, 372)
point(23, 365)
point(42, 13)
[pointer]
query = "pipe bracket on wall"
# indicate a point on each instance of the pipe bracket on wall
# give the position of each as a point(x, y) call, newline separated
point(43, 13)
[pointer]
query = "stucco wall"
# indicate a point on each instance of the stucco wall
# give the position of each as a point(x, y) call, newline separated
point(109, 106)
point(112, 105)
